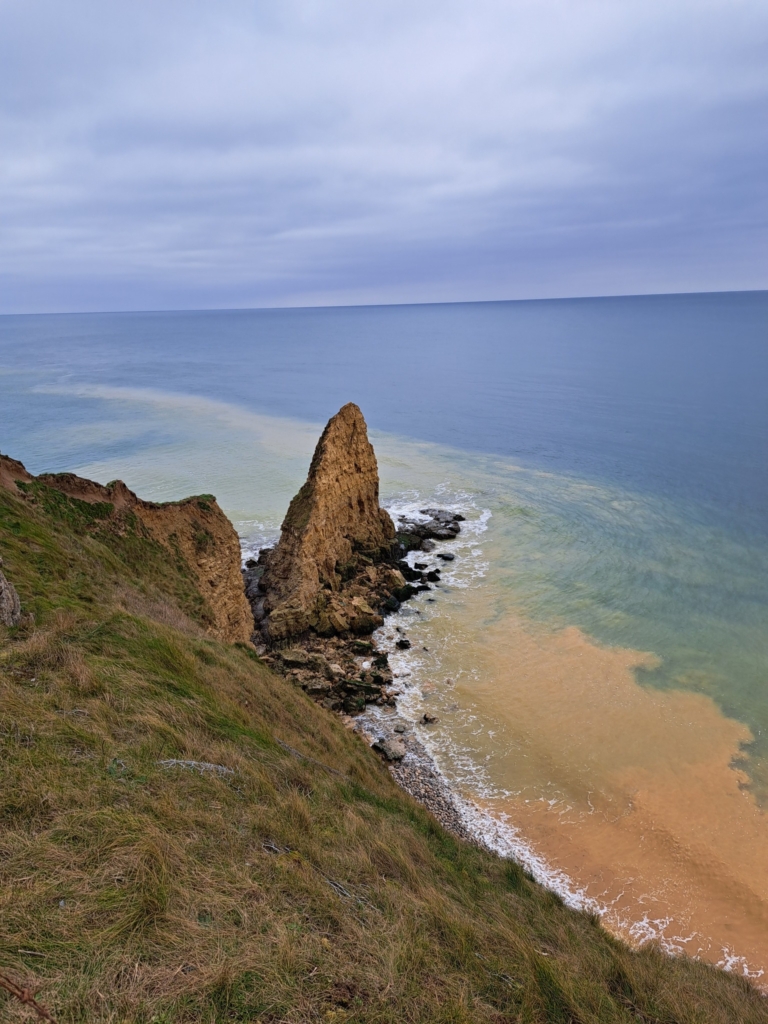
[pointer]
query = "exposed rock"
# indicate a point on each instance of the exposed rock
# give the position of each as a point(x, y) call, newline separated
point(318, 688)
point(418, 536)
point(391, 747)
point(10, 606)
point(333, 528)
point(198, 528)
point(447, 556)
point(442, 515)
point(12, 472)
point(294, 658)
point(434, 529)
point(195, 529)
point(326, 586)
point(252, 574)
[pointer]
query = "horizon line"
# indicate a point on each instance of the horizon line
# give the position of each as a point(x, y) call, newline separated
point(385, 305)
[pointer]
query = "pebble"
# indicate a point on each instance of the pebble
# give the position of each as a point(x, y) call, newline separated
point(416, 776)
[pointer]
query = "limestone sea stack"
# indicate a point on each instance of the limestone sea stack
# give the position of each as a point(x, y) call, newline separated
point(334, 541)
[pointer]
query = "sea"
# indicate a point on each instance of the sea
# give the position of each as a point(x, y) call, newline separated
point(596, 655)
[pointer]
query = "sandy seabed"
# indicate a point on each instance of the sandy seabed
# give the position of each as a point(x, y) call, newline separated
point(630, 795)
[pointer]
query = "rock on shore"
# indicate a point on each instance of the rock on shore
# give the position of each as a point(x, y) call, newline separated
point(441, 525)
point(416, 772)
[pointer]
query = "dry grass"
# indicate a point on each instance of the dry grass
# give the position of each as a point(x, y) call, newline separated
point(131, 891)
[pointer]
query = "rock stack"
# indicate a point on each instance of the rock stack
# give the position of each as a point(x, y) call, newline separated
point(331, 569)
point(337, 570)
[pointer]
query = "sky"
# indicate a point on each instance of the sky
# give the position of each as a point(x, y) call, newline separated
point(169, 154)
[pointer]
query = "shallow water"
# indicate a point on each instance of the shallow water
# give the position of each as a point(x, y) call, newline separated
point(597, 654)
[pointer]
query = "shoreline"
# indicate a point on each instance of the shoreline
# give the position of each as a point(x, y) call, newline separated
point(361, 685)
point(418, 774)
point(314, 664)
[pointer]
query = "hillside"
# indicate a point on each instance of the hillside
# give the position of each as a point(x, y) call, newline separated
point(185, 836)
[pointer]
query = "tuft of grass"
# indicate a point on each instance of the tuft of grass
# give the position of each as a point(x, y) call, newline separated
point(133, 889)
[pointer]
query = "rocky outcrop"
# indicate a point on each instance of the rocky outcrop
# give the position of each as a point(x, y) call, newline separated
point(194, 529)
point(326, 573)
point(342, 673)
point(417, 535)
point(198, 530)
point(337, 570)
point(10, 606)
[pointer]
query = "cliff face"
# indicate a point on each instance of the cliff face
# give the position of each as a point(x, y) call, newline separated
point(198, 530)
point(194, 529)
point(333, 526)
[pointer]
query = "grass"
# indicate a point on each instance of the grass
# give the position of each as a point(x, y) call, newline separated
point(293, 888)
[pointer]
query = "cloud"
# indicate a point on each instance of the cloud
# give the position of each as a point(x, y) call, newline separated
point(165, 154)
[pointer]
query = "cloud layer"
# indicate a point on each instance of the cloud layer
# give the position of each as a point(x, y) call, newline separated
point(168, 154)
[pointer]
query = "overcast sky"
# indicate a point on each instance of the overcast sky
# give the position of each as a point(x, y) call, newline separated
point(187, 154)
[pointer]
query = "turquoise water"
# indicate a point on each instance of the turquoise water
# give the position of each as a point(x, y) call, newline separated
point(610, 456)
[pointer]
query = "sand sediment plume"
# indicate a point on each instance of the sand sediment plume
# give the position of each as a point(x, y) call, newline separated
point(630, 790)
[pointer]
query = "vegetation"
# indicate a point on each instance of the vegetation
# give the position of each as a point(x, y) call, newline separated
point(284, 876)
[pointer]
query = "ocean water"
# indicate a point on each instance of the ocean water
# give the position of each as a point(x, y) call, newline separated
point(597, 653)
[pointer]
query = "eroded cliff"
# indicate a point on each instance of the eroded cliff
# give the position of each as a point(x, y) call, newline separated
point(193, 531)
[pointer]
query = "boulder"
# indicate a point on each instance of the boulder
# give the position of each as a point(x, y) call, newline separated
point(442, 515)
point(10, 606)
point(441, 525)
point(391, 747)
point(295, 658)
point(334, 526)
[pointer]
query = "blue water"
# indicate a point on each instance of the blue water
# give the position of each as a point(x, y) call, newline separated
point(663, 394)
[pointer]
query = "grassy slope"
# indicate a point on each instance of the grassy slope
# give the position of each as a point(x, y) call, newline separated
point(282, 892)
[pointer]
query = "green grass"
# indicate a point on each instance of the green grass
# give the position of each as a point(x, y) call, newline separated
point(283, 891)
point(68, 550)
